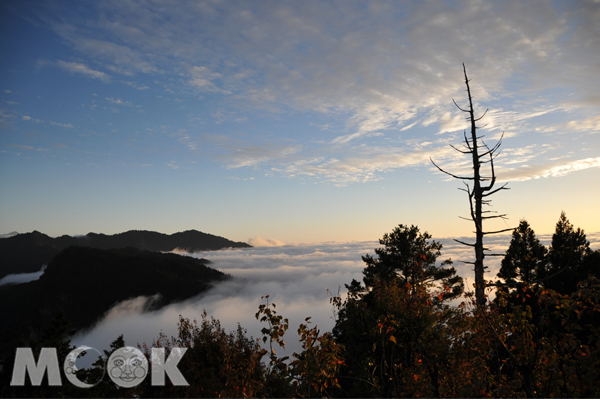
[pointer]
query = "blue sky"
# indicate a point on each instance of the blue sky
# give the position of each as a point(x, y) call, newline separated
point(292, 121)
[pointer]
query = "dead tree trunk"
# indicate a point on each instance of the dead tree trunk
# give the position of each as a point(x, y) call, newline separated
point(480, 190)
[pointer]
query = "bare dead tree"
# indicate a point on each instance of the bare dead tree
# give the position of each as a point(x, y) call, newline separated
point(482, 187)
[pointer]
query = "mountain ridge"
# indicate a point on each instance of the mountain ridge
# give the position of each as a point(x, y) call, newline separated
point(27, 252)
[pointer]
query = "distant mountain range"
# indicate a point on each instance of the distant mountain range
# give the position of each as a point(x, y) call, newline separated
point(27, 252)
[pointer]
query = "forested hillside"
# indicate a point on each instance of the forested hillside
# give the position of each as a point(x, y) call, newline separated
point(83, 283)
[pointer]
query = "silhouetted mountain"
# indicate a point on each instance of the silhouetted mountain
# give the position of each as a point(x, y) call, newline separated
point(28, 251)
point(86, 282)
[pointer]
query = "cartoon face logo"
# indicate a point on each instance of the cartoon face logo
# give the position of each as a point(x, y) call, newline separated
point(70, 365)
point(127, 367)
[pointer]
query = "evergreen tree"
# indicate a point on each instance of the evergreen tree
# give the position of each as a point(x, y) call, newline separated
point(525, 258)
point(397, 321)
point(409, 258)
point(568, 250)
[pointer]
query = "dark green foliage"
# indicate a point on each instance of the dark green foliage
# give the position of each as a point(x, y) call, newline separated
point(97, 374)
point(398, 314)
point(525, 258)
point(567, 253)
point(550, 345)
point(217, 364)
point(27, 252)
point(56, 335)
point(409, 258)
point(591, 264)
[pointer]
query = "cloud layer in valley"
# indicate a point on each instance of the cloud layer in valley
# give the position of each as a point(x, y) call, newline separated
point(298, 279)
point(22, 278)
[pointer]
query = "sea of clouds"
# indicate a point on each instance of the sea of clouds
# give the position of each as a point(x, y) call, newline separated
point(300, 280)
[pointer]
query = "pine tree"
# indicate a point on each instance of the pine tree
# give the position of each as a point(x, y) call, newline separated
point(396, 322)
point(409, 258)
point(568, 250)
point(525, 258)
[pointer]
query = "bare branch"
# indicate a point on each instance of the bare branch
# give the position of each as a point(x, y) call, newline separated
point(491, 185)
point(482, 115)
point(503, 187)
point(467, 140)
point(457, 106)
point(466, 244)
point(492, 150)
point(500, 231)
point(461, 151)
point(448, 173)
point(495, 216)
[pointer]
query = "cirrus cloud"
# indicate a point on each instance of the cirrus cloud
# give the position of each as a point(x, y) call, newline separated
point(558, 168)
point(83, 69)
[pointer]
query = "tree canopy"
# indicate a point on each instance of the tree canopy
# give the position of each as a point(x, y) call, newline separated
point(408, 257)
point(525, 258)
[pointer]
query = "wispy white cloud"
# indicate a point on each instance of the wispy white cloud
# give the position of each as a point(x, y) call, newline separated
point(23, 146)
point(123, 59)
point(137, 85)
point(63, 125)
point(83, 69)
point(186, 140)
point(249, 155)
point(203, 79)
point(364, 163)
point(451, 123)
point(585, 125)
point(521, 155)
point(395, 72)
point(7, 119)
point(259, 241)
point(558, 168)
point(307, 56)
point(119, 102)
point(29, 118)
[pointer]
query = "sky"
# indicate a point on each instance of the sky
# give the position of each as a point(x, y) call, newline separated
point(293, 121)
